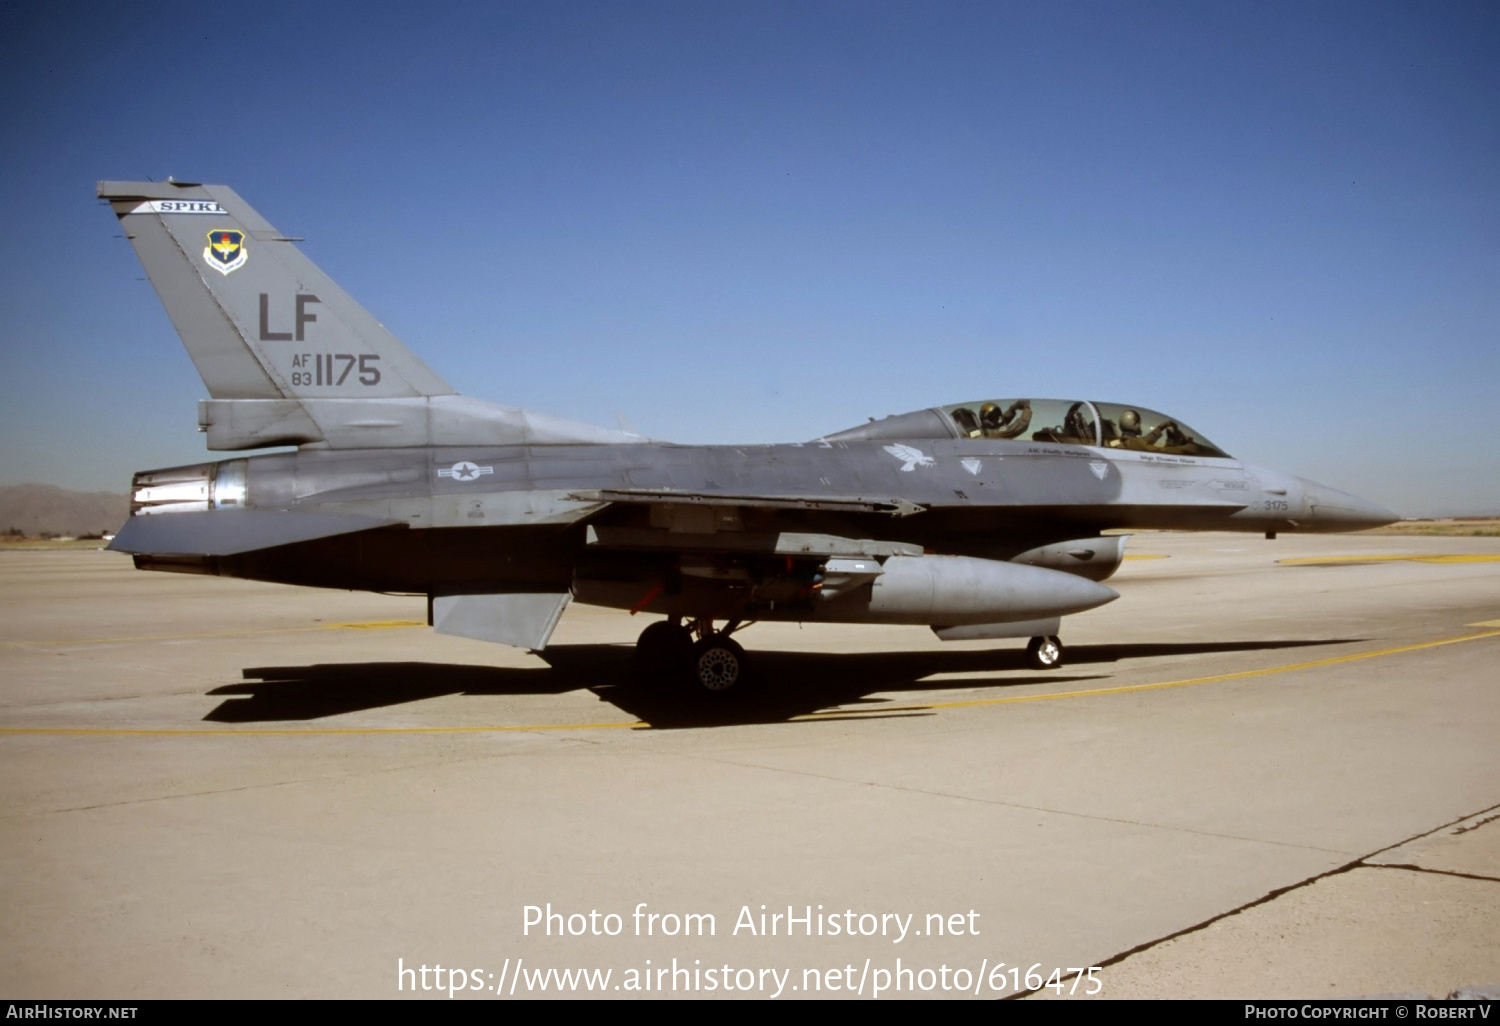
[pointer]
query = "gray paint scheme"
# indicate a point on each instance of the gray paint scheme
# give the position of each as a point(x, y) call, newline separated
point(400, 484)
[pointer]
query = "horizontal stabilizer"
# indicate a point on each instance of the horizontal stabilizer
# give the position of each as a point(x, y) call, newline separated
point(389, 423)
point(229, 532)
point(523, 619)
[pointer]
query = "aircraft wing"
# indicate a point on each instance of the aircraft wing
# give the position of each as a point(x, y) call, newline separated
point(834, 503)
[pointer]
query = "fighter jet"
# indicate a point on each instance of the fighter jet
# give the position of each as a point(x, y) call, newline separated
point(984, 519)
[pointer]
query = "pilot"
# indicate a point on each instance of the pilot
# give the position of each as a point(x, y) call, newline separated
point(967, 423)
point(1166, 437)
point(1169, 436)
point(1115, 434)
point(1007, 423)
point(1126, 434)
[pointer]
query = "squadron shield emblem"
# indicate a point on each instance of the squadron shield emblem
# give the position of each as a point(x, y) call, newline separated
point(225, 251)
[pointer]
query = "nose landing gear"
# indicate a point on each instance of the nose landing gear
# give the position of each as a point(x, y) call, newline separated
point(1044, 653)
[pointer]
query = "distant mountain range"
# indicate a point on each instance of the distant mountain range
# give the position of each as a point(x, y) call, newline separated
point(36, 509)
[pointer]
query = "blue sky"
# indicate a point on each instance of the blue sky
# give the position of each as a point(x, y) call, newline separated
point(767, 221)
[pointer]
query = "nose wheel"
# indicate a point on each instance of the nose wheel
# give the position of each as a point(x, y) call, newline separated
point(1044, 653)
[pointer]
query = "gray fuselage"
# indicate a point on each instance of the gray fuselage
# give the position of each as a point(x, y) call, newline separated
point(467, 518)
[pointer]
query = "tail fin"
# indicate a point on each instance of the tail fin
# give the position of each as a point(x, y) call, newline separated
point(288, 357)
point(258, 318)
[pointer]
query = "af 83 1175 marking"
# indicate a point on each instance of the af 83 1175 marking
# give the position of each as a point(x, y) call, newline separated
point(334, 369)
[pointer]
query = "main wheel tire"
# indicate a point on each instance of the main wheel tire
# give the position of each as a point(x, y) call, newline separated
point(663, 651)
point(1044, 653)
point(718, 665)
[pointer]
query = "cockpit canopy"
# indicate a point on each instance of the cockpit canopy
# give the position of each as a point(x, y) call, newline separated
point(1055, 421)
point(1080, 422)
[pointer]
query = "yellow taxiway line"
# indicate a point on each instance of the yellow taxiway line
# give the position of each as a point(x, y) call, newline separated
point(1411, 557)
point(637, 724)
point(1127, 688)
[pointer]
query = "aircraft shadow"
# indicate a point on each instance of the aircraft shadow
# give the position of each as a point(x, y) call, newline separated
point(784, 685)
point(792, 684)
point(328, 689)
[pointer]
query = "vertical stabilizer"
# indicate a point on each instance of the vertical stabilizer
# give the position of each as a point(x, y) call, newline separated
point(258, 318)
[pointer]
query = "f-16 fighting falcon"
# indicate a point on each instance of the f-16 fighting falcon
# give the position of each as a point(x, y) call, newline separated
point(980, 519)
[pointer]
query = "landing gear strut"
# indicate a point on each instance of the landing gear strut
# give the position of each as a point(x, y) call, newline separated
point(713, 664)
point(1044, 653)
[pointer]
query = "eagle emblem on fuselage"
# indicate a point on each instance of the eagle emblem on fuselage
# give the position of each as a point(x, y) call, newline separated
point(911, 456)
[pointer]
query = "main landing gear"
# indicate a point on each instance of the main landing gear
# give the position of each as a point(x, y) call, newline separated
point(712, 661)
point(1044, 653)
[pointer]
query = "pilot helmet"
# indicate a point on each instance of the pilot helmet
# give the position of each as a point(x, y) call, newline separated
point(989, 413)
point(1130, 420)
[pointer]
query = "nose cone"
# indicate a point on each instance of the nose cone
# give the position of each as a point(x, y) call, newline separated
point(1332, 510)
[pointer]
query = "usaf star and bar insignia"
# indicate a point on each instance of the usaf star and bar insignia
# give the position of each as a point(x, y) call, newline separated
point(463, 470)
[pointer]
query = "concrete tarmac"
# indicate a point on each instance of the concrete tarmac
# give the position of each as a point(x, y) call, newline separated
point(1269, 770)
